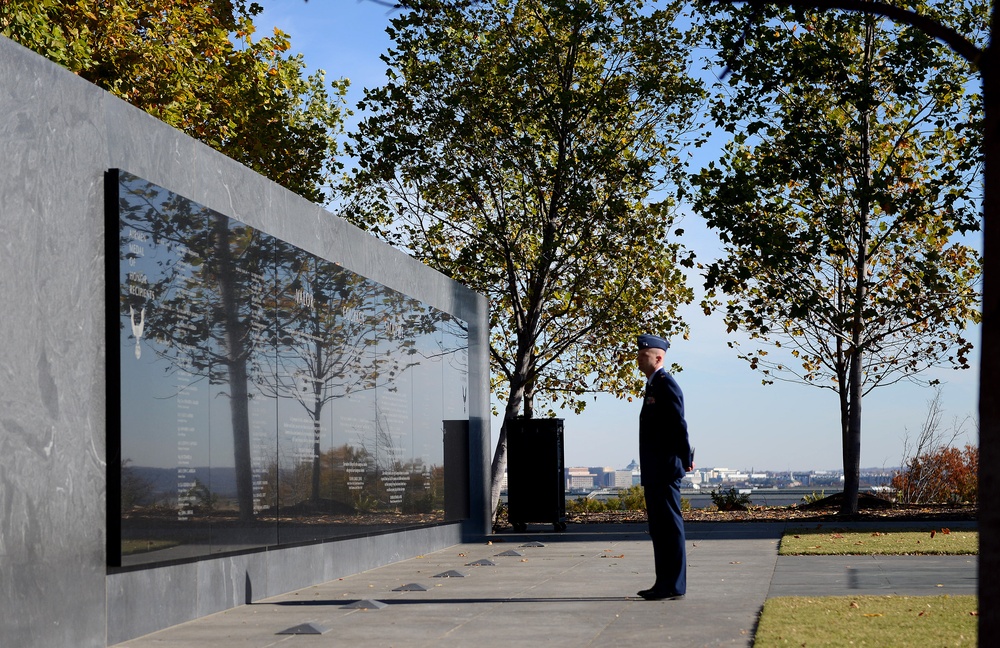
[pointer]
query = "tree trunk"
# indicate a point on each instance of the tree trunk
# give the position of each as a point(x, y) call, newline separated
point(852, 441)
point(236, 364)
point(317, 450)
point(529, 402)
point(497, 469)
point(499, 465)
point(317, 410)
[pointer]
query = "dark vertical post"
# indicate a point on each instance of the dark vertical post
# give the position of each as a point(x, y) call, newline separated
point(989, 367)
point(112, 357)
point(457, 482)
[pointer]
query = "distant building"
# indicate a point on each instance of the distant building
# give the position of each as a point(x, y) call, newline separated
point(603, 477)
point(579, 479)
point(727, 475)
point(633, 468)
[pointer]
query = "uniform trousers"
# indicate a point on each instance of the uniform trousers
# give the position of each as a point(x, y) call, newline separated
point(666, 530)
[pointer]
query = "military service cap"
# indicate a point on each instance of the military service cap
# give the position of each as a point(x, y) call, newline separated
point(647, 341)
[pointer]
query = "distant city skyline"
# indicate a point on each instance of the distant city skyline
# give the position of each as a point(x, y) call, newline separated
point(734, 421)
point(602, 482)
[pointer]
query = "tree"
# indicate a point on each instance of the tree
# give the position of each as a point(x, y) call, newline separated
point(983, 58)
point(176, 60)
point(515, 148)
point(838, 203)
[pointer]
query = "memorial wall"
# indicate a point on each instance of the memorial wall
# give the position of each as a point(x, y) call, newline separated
point(264, 395)
point(222, 393)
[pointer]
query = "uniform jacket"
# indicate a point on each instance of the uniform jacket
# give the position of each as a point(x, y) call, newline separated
point(663, 436)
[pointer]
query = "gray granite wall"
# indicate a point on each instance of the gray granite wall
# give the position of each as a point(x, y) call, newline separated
point(58, 136)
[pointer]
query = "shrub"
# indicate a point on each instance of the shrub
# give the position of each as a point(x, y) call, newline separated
point(933, 470)
point(813, 497)
point(943, 475)
point(634, 499)
point(585, 505)
point(730, 500)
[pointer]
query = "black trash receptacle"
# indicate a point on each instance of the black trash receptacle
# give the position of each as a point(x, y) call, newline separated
point(536, 485)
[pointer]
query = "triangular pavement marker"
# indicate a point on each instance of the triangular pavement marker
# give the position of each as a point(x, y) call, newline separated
point(366, 604)
point(304, 629)
point(450, 574)
point(485, 562)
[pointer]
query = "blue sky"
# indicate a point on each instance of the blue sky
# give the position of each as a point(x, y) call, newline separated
point(733, 420)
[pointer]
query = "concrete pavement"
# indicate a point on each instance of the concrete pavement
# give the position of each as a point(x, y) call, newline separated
point(575, 588)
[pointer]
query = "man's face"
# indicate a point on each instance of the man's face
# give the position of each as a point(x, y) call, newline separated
point(649, 360)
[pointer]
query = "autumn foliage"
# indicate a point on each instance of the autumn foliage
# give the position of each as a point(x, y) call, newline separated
point(946, 474)
point(198, 66)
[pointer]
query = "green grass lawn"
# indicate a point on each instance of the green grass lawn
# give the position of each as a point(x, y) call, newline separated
point(834, 542)
point(882, 621)
point(877, 621)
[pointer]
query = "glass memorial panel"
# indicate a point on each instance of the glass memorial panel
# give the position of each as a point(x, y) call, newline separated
point(267, 395)
point(426, 496)
point(400, 364)
point(454, 351)
point(393, 400)
point(354, 412)
point(192, 322)
point(239, 501)
point(324, 347)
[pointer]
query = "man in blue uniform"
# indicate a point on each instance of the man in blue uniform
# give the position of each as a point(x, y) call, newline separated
point(664, 457)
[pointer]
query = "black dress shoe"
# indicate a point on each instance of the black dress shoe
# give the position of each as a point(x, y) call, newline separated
point(658, 595)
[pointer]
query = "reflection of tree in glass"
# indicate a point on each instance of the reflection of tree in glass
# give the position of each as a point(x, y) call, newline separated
point(136, 490)
point(348, 492)
point(404, 321)
point(326, 329)
point(330, 321)
point(425, 489)
point(454, 348)
point(209, 291)
point(202, 499)
point(455, 344)
point(451, 343)
point(208, 294)
point(410, 337)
